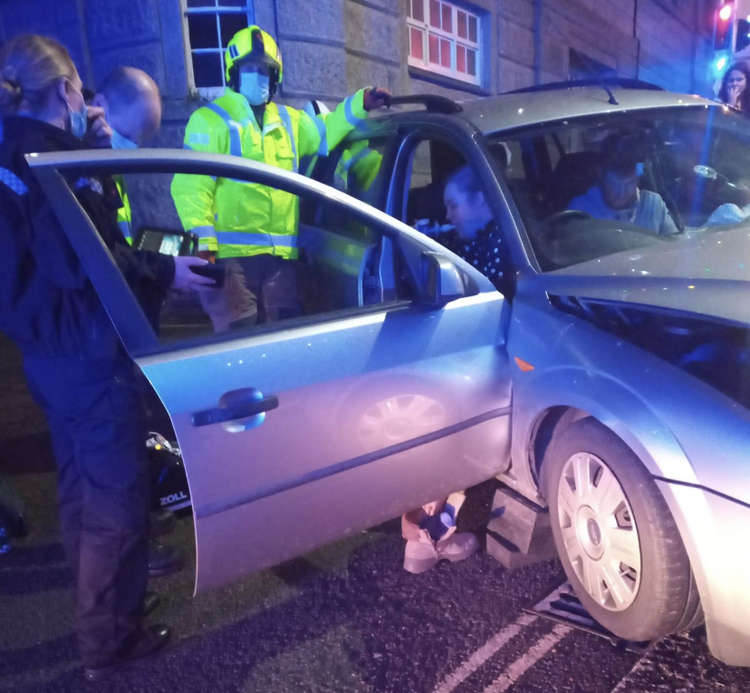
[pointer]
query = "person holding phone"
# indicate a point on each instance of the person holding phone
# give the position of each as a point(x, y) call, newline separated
point(74, 362)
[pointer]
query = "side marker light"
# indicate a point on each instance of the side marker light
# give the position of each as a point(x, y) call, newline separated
point(525, 366)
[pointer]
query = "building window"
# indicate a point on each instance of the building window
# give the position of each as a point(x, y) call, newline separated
point(444, 38)
point(208, 27)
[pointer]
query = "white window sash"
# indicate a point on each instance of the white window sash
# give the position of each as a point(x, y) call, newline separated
point(217, 9)
point(452, 36)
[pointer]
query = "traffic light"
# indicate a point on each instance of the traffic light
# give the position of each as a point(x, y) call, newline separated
point(723, 25)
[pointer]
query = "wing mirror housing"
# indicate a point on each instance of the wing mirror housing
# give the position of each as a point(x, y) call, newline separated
point(442, 281)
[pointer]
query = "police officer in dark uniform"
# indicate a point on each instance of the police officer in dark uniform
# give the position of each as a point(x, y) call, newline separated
point(74, 362)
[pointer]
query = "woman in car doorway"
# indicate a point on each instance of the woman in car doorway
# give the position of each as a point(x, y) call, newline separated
point(73, 359)
point(430, 531)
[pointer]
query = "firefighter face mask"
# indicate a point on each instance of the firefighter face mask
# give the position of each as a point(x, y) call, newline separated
point(254, 86)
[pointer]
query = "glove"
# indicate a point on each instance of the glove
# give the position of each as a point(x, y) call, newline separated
point(375, 97)
point(185, 278)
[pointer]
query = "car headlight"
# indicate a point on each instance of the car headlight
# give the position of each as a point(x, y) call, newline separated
point(714, 351)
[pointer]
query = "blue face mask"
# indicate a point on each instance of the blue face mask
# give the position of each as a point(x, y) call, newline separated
point(79, 121)
point(119, 141)
point(255, 87)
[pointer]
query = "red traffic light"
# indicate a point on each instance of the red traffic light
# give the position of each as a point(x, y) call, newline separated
point(725, 12)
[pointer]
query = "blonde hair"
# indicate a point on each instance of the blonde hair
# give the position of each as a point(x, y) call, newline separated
point(29, 65)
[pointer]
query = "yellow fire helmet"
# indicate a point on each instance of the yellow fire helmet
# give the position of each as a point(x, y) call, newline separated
point(253, 45)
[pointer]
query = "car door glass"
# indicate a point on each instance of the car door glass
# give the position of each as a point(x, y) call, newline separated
point(343, 264)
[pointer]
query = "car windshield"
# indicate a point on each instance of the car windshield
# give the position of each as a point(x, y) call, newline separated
point(594, 186)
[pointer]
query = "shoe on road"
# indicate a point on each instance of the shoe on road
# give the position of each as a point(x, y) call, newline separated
point(419, 555)
point(144, 642)
point(162, 559)
point(457, 547)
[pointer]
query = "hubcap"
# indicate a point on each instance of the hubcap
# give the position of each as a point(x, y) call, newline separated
point(599, 533)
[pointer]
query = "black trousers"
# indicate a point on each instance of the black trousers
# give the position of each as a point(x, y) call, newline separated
point(95, 419)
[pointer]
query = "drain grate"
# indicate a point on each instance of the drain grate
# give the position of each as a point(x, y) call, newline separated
point(562, 606)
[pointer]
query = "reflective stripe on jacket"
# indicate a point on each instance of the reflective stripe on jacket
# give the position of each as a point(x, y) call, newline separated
point(124, 213)
point(236, 218)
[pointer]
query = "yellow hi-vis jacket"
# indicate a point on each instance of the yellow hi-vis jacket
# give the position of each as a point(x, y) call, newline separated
point(124, 213)
point(239, 219)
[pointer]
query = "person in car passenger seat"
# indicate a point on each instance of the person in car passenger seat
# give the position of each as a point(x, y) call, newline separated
point(74, 362)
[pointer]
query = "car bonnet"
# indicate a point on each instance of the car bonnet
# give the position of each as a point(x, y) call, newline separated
point(708, 273)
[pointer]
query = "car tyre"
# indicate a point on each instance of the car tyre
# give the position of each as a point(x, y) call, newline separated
point(615, 536)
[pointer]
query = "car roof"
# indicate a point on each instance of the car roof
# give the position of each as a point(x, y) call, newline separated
point(513, 110)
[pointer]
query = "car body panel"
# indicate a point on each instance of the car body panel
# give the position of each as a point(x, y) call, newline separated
point(377, 413)
point(708, 274)
point(511, 111)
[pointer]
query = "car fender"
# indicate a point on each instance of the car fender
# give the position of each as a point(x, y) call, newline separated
point(612, 402)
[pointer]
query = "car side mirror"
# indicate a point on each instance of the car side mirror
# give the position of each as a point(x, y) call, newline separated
point(442, 281)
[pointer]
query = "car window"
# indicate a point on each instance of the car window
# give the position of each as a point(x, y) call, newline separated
point(344, 264)
point(596, 186)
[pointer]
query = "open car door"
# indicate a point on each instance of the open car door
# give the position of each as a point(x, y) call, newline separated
point(391, 390)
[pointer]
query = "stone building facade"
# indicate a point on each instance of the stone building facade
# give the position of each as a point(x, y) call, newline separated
point(331, 47)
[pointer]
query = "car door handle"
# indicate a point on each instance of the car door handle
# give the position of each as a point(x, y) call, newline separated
point(229, 410)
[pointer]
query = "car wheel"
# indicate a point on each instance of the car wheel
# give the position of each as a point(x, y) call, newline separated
point(615, 536)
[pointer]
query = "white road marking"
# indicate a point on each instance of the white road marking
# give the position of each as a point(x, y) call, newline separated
point(528, 659)
point(498, 640)
point(625, 679)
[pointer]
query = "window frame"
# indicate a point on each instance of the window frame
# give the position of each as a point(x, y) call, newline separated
point(426, 28)
point(217, 9)
point(135, 329)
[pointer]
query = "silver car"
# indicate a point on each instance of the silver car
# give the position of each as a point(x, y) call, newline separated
point(601, 374)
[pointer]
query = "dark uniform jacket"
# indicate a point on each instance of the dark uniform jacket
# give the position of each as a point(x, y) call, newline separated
point(47, 304)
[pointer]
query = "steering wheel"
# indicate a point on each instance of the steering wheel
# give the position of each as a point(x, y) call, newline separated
point(565, 215)
point(551, 224)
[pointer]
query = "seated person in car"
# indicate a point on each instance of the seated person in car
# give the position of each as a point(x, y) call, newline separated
point(617, 196)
